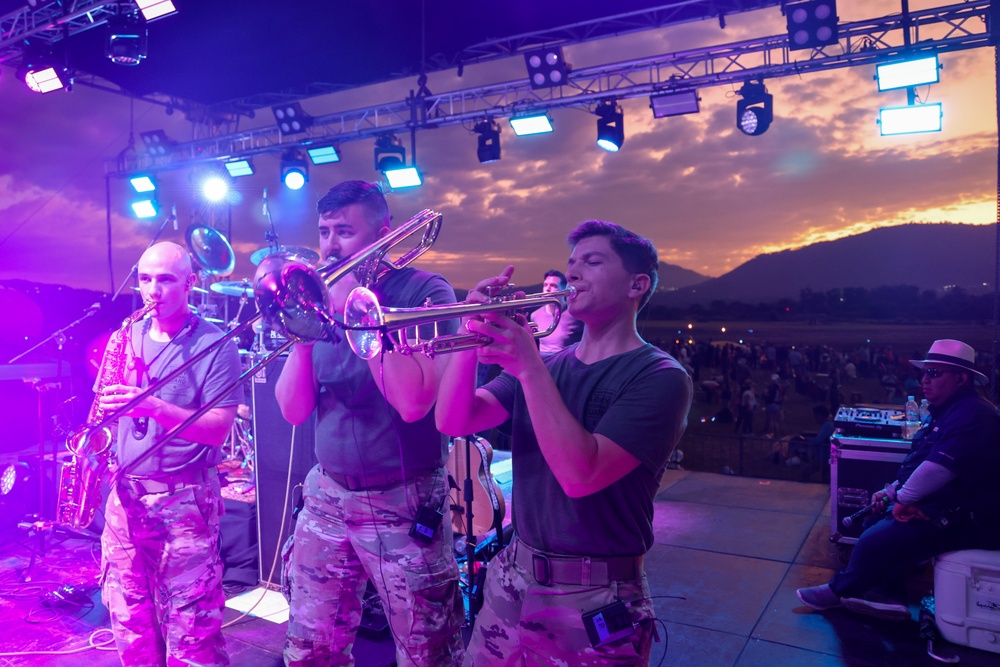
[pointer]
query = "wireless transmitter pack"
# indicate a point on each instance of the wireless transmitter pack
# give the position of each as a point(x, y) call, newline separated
point(428, 521)
point(607, 624)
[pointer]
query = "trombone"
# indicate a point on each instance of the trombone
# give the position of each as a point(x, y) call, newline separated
point(292, 298)
point(368, 324)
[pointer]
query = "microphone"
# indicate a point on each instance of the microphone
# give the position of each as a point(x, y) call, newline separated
point(94, 307)
point(848, 521)
point(263, 208)
point(173, 214)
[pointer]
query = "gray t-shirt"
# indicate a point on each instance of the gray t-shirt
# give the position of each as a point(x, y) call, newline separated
point(202, 382)
point(640, 401)
point(357, 431)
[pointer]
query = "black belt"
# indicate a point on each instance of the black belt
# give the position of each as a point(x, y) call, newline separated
point(548, 569)
point(168, 483)
point(361, 482)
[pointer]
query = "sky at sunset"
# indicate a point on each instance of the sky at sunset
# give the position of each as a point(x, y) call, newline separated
point(708, 196)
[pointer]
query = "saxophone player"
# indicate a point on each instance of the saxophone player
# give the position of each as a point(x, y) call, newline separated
point(161, 569)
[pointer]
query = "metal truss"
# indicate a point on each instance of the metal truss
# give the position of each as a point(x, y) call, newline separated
point(50, 22)
point(935, 30)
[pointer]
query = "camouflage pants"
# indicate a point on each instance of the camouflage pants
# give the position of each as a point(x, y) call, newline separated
point(163, 575)
point(524, 623)
point(342, 538)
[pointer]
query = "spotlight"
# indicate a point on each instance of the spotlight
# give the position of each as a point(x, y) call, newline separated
point(42, 74)
point(674, 104)
point(531, 124)
point(754, 111)
point(18, 488)
point(489, 141)
point(291, 118)
point(157, 143)
point(127, 39)
point(323, 154)
point(240, 167)
point(546, 67)
point(145, 208)
point(154, 9)
point(907, 73)
point(610, 126)
point(294, 170)
point(910, 119)
point(215, 188)
point(142, 183)
point(390, 159)
point(811, 24)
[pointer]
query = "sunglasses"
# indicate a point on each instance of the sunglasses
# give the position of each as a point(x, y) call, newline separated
point(934, 373)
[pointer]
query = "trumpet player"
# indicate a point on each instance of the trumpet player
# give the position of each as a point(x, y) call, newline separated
point(370, 502)
point(568, 330)
point(162, 574)
point(593, 428)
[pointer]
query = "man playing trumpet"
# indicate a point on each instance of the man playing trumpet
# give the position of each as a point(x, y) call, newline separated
point(380, 472)
point(593, 428)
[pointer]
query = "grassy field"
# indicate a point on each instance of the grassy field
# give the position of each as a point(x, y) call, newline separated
point(904, 337)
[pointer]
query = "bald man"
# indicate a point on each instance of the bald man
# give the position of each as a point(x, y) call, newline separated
point(160, 546)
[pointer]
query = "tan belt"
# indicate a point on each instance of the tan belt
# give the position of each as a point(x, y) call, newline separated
point(361, 482)
point(549, 569)
point(168, 483)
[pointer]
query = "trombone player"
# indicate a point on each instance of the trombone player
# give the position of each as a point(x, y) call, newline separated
point(370, 502)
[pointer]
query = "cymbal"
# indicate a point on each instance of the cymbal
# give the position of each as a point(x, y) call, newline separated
point(233, 288)
point(211, 250)
point(307, 254)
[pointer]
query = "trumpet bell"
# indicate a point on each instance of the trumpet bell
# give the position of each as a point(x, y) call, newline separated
point(291, 296)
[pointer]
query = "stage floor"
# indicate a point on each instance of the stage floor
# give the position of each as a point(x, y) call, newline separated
point(729, 554)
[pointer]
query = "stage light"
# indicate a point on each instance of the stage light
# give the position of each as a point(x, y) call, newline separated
point(18, 488)
point(323, 154)
point(127, 39)
point(811, 24)
point(389, 153)
point(291, 118)
point(157, 143)
point(910, 119)
point(531, 124)
point(240, 167)
point(546, 67)
point(754, 111)
point(390, 159)
point(488, 149)
point(43, 75)
point(674, 104)
point(610, 126)
point(145, 208)
point(215, 188)
point(294, 170)
point(142, 183)
point(915, 72)
point(154, 9)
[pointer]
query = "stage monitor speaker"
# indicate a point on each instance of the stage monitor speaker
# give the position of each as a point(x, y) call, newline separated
point(272, 445)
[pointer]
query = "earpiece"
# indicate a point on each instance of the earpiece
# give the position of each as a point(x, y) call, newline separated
point(636, 286)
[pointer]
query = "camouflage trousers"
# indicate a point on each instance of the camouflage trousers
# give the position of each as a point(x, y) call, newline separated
point(527, 624)
point(343, 538)
point(163, 574)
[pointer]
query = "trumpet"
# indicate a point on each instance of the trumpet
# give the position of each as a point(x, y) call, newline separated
point(367, 322)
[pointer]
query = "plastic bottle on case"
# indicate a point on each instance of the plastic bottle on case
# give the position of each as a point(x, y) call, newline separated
point(912, 424)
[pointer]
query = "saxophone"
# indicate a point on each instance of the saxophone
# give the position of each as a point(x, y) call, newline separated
point(80, 477)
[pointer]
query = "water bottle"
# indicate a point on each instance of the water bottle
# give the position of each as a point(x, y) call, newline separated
point(925, 412)
point(912, 424)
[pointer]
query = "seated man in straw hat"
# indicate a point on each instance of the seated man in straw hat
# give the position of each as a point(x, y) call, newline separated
point(946, 496)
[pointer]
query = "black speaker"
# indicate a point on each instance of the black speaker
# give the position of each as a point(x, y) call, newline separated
point(272, 446)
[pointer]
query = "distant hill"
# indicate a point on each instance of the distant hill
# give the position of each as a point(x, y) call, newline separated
point(673, 277)
point(929, 256)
